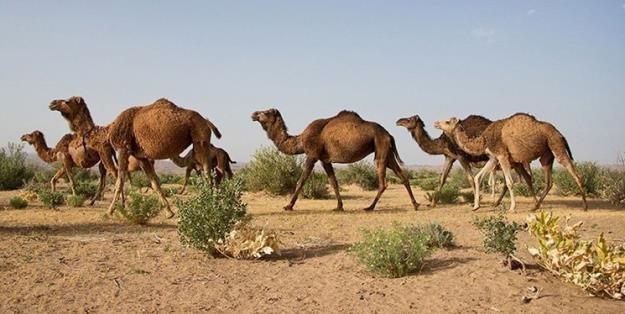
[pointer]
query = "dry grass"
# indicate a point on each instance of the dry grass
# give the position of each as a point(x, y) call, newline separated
point(78, 260)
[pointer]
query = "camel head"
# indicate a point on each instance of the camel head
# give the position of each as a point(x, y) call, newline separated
point(266, 117)
point(447, 126)
point(75, 111)
point(32, 138)
point(411, 123)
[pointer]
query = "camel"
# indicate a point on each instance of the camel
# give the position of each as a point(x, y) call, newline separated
point(519, 138)
point(160, 130)
point(344, 138)
point(71, 154)
point(443, 145)
point(220, 160)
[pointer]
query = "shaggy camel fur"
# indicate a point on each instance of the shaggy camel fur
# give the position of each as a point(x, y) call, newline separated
point(518, 138)
point(71, 153)
point(220, 160)
point(443, 145)
point(344, 138)
point(160, 130)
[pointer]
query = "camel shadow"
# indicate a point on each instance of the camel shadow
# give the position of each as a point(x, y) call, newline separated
point(577, 204)
point(293, 255)
point(440, 264)
point(298, 212)
point(83, 228)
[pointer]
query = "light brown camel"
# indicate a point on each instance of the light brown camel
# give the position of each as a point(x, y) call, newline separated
point(443, 145)
point(519, 138)
point(70, 153)
point(344, 138)
point(220, 161)
point(160, 130)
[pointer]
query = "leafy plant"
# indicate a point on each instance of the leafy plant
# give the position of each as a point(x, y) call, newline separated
point(614, 183)
point(76, 200)
point(271, 171)
point(467, 197)
point(538, 182)
point(248, 242)
point(427, 183)
point(211, 214)
point(499, 235)
point(140, 208)
point(439, 236)
point(18, 202)
point(596, 266)
point(50, 199)
point(393, 253)
point(316, 187)
point(168, 178)
point(362, 173)
point(590, 173)
point(139, 180)
point(449, 194)
point(86, 189)
point(13, 168)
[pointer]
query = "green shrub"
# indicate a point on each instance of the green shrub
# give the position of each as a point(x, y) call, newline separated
point(394, 253)
point(591, 174)
point(499, 234)
point(140, 180)
point(85, 176)
point(467, 197)
point(14, 171)
point(316, 187)
point(449, 194)
point(169, 192)
point(86, 189)
point(207, 217)
point(140, 208)
point(50, 199)
point(76, 200)
point(271, 171)
point(459, 178)
point(439, 237)
point(538, 181)
point(18, 202)
point(43, 175)
point(428, 183)
point(168, 178)
point(362, 173)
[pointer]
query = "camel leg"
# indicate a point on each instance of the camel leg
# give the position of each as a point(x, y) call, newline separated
point(202, 154)
point(187, 174)
point(122, 170)
point(578, 179)
point(521, 170)
point(505, 167)
point(547, 162)
point(156, 186)
point(308, 167)
point(404, 180)
point(67, 164)
point(59, 173)
point(492, 181)
point(334, 183)
point(382, 185)
point(490, 165)
point(449, 162)
point(102, 170)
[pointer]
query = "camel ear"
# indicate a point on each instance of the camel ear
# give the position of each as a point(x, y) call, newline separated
point(273, 111)
point(78, 100)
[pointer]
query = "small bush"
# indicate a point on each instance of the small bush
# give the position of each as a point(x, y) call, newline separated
point(499, 234)
point(614, 186)
point(316, 187)
point(397, 252)
point(538, 182)
point(14, 171)
point(86, 189)
point(428, 183)
point(50, 199)
point(211, 214)
point(439, 237)
point(459, 178)
point(591, 174)
point(468, 197)
point(140, 208)
point(362, 173)
point(76, 200)
point(85, 176)
point(18, 202)
point(139, 179)
point(271, 171)
point(168, 178)
point(449, 194)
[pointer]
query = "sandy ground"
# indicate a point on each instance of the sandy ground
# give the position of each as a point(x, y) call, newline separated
point(77, 260)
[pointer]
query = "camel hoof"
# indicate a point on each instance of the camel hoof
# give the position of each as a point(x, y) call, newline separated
point(288, 208)
point(338, 209)
point(416, 206)
point(476, 208)
point(368, 209)
point(170, 215)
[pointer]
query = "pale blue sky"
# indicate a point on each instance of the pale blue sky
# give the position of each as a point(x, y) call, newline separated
point(563, 61)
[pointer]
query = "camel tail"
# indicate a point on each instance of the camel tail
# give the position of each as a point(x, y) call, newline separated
point(230, 159)
point(395, 152)
point(568, 149)
point(213, 128)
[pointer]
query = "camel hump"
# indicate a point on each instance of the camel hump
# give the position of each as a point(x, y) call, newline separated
point(348, 113)
point(474, 125)
point(164, 103)
point(523, 115)
point(65, 141)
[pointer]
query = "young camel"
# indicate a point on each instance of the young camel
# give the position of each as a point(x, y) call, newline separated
point(344, 138)
point(519, 138)
point(220, 160)
point(443, 145)
point(71, 154)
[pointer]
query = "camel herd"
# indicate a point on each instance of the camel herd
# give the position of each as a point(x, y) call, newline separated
point(139, 135)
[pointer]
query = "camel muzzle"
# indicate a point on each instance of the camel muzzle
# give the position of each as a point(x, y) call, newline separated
point(23, 138)
point(54, 105)
point(255, 116)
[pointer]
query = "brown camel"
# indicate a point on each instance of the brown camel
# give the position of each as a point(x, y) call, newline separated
point(344, 138)
point(519, 138)
point(71, 154)
point(220, 161)
point(443, 145)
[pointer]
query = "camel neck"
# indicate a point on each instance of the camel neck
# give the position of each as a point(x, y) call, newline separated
point(82, 123)
point(427, 144)
point(44, 152)
point(471, 145)
point(287, 144)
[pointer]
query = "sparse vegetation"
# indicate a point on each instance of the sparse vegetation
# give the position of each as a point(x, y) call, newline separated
point(591, 174)
point(396, 252)
point(76, 200)
point(499, 235)
point(449, 194)
point(86, 189)
point(271, 171)
point(50, 199)
point(209, 216)
point(18, 203)
point(439, 236)
point(316, 187)
point(14, 171)
point(140, 208)
point(538, 181)
point(139, 179)
point(361, 173)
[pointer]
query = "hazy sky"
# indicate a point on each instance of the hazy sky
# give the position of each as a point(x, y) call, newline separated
point(563, 61)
